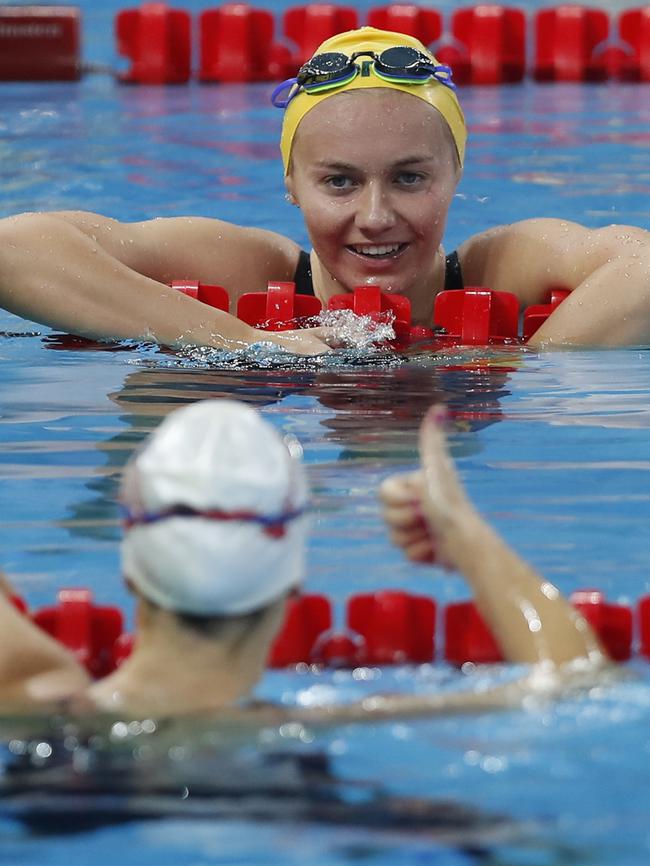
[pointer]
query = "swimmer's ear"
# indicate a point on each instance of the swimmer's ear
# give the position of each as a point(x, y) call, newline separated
point(290, 196)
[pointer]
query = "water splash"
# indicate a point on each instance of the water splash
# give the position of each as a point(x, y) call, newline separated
point(365, 341)
point(359, 332)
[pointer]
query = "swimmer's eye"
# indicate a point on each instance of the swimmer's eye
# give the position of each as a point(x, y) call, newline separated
point(339, 182)
point(410, 178)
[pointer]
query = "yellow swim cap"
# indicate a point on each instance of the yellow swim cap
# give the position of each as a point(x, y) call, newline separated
point(439, 95)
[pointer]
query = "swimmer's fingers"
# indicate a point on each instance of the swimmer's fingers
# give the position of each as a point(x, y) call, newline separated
point(329, 336)
point(417, 545)
point(443, 500)
point(307, 341)
point(408, 517)
point(402, 488)
point(408, 529)
point(401, 498)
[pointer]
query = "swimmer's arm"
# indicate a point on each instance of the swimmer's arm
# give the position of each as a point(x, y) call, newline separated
point(523, 692)
point(534, 690)
point(54, 273)
point(607, 271)
point(33, 667)
point(239, 258)
point(531, 621)
point(611, 307)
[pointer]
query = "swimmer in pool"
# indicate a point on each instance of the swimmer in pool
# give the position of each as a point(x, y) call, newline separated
point(215, 530)
point(373, 145)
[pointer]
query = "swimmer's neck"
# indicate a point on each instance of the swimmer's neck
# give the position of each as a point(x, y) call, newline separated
point(174, 670)
point(422, 295)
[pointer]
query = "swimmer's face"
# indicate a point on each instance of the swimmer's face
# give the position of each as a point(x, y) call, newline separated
point(374, 173)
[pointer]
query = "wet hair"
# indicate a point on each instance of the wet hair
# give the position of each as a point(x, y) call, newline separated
point(213, 626)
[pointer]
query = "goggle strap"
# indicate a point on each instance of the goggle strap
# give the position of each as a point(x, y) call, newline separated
point(276, 99)
point(274, 525)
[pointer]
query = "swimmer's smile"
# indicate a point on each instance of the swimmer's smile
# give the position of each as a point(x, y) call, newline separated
point(377, 252)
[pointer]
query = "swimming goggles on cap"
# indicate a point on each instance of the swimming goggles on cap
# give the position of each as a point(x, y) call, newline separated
point(400, 65)
point(274, 525)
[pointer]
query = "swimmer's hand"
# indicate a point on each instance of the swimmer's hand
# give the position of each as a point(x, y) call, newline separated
point(422, 508)
point(401, 496)
point(306, 341)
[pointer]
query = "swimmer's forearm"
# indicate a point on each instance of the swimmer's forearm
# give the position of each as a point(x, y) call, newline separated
point(530, 619)
point(528, 616)
point(539, 686)
point(26, 651)
point(609, 308)
point(379, 708)
point(52, 273)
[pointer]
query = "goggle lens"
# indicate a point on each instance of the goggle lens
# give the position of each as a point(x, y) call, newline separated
point(334, 69)
point(401, 58)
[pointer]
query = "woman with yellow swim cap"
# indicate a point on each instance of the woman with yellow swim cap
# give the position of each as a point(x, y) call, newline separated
point(373, 145)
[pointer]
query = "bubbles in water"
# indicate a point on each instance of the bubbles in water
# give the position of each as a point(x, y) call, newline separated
point(359, 332)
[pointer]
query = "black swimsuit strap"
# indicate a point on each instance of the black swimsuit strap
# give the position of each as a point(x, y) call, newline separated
point(304, 285)
point(302, 277)
point(453, 273)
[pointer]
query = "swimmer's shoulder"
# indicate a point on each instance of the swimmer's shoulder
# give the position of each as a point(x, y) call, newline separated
point(533, 256)
point(241, 258)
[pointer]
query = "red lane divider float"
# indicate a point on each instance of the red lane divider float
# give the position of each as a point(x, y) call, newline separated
point(566, 39)
point(471, 317)
point(381, 628)
point(489, 45)
point(308, 26)
point(537, 314)
point(213, 296)
point(485, 43)
point(422, 22)
point(236, 45)
point(278, 308)
point(395, 627)
point(40, 43)
point(90, 631)
point(634, 31)
point(157, 41)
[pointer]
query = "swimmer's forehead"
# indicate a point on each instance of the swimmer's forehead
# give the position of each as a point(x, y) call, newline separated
point(398, 163)
point(353, 128)
point(371, 111)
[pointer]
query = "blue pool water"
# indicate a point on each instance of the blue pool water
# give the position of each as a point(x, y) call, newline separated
point(555, 451)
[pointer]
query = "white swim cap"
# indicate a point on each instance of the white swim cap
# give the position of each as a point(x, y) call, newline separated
point(214, 505)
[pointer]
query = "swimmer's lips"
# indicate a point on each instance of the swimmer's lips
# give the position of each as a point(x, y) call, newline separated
point(379, 267)
point(385, 259)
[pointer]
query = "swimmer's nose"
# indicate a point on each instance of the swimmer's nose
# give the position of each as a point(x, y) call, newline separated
point(375, 213)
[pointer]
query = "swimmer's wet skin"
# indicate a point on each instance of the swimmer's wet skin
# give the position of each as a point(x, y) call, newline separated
point(214, 493)
point(375, 211)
